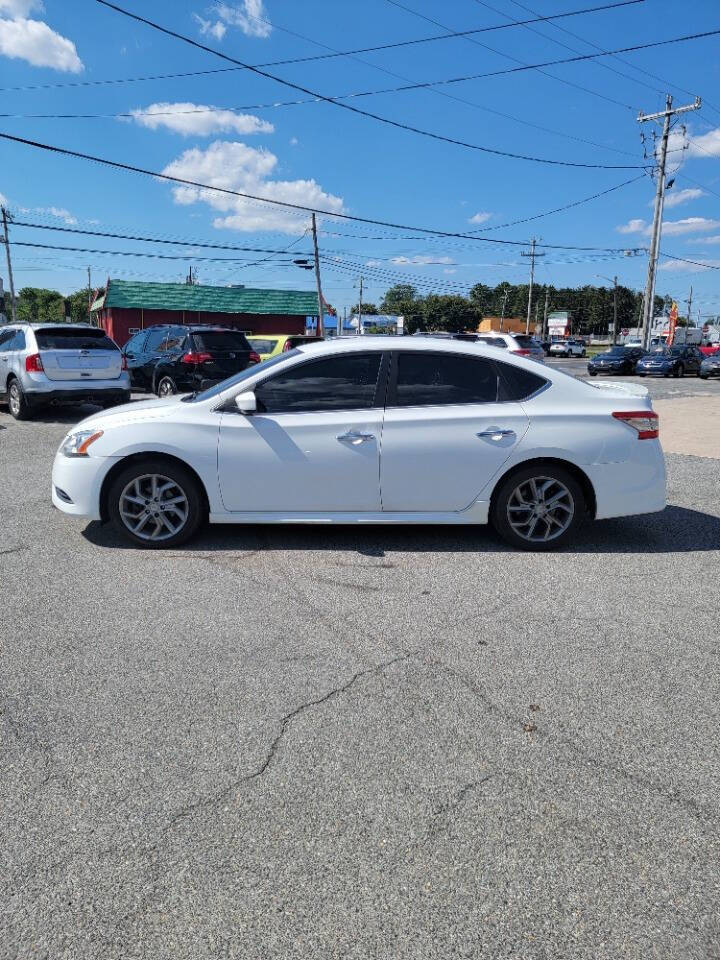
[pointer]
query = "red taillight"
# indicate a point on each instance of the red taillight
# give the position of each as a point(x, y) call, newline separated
point(646, 422)
point(192, 357)
point(521, 353)
point(254, 357)
point(123, 362)
point(287, 347)
point(33, 363)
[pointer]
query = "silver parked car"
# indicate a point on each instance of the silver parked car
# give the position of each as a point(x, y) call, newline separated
point(522, 344)
point(42, 364)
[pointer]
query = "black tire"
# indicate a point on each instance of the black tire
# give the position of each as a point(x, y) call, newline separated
point(703, 376)
point(165, 387)
point(107, 404)
point(593, 373)
point(17, 402)
point(679, 371)
point(642, 374)
point(583, 354)
point(538, 471)
point(181, 477)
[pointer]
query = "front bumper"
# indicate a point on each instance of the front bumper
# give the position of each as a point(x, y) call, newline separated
point(713, 371)
point(592, 368)
point(654, 371)
point(76, 484)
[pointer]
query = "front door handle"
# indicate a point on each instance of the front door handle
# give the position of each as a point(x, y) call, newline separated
point(355, 437)
point(496, 434)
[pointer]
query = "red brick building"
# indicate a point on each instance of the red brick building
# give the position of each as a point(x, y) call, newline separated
point(129, 306)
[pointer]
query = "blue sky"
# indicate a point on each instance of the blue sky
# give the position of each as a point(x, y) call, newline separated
point(222, 129)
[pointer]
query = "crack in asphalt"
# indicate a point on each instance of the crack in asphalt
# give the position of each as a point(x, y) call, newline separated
point(454, 802)
point(285, 723)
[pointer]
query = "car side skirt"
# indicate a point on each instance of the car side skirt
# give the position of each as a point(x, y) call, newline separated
point(476, 513)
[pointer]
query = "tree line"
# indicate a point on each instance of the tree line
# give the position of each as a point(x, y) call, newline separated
point(39, 305)
point(591, 307)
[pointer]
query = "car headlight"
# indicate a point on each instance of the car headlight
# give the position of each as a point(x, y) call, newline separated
point(76, 444)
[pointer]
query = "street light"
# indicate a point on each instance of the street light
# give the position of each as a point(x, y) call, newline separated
point(614, 283)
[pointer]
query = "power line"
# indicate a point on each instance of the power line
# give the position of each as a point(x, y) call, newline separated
point(696, 263)
point(142, 253)
point(387, 120)
point(116, 164)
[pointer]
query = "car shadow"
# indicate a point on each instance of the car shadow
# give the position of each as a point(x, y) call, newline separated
point(674, 530)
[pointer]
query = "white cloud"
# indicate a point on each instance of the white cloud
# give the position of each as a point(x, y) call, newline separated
point(481, 217)
point(192, 119)
point(35, 42)
point(671, 228)
point(633, 226)
point(210, 29)
point(235, 166)
point(374, 263)
point(249, 15)
point(294, 141)
point(674, 228)
point(420, 260)
point(4, 202)
point(706, 144)
point(450, 270)
point(675, 197)
point(711, 241)
point(19, 8)
point(60, 212)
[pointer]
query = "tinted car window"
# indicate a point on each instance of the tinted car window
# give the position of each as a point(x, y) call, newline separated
point(299, 341)
point(135, 344)
point(262, 346)
point(69, 338)
point(18, 341)
point(493, 341)
point(155, 340)
point(524, 341)
point(345, 382)
point(220, 340)
point(440, 378)
point(5, 337)
point(517, 384)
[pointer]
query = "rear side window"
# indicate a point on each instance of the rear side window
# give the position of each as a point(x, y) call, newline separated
point(71, 338)
point(517, 384)
point(5, 337)
point(262, 346)
point(18, 341)
point(524, 341)
point(299, 341)
point(345, 382)
point(494, 341)
point(432, 379)
point(220, 341)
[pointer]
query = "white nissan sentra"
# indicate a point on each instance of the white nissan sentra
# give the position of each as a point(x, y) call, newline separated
point(371, 430)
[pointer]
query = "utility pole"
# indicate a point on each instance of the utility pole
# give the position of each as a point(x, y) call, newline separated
point(360, 309)
point(689, 303)
point(547, 300)
point(537, 307)
point(13, 311)
point(614, 310)
point(532, 256)
point(666, 115)
point(320, 331)
point(502, 315)
point(89, 293)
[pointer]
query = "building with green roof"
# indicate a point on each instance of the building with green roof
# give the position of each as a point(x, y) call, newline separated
point(128, 306)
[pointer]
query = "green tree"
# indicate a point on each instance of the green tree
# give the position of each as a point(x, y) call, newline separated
point(450, 312)
point(38, 305)
point(368, 309)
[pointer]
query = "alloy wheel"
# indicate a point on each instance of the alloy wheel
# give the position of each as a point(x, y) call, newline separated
point(14, 399)
point(154, 507)
point(166, 388)
point(540, 509)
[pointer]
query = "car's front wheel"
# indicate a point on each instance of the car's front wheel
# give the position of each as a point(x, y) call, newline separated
point(538, 507)
point(156, 503)
point(679, 371)
point(17, 404)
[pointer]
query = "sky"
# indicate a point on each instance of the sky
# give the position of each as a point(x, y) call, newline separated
point(78, 75)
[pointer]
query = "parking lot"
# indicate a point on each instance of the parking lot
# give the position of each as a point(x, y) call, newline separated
point(360, 743)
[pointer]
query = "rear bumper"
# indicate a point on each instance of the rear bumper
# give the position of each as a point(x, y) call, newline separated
point(633, 486)
point(45, 397)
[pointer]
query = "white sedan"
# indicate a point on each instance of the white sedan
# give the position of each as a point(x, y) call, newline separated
point(371, 430)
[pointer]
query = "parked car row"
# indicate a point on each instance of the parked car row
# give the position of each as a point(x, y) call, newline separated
point(673, 361)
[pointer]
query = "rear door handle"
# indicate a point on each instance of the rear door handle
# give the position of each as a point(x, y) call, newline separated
point(355, 437)
point(495, 434)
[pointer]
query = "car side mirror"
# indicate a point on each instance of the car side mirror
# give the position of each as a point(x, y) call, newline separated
point(246, 402)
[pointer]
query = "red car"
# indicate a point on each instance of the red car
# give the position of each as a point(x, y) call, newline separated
point(710, 350)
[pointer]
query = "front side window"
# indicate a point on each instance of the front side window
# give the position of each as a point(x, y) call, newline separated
point(432, 379)
point(344, 382)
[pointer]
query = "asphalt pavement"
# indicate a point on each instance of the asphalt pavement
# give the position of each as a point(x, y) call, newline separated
point(342, 743)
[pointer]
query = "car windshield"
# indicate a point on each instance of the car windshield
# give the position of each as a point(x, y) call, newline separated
point(525, 341)
point(237, 379)
point(668, 352)
point(73, 338)
point(219, 340)
point(615, 352)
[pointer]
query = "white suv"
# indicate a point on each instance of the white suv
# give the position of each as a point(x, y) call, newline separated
point(520, 343)
point(41, 364)
point(568, 348)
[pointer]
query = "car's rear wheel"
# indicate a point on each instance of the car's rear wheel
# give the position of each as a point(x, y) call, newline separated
point(156, 503)
point(538, 507)
point(592, 373)
point(166, 387)
point(17, 403)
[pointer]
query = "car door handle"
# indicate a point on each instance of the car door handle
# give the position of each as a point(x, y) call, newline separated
point(495, 434)
point(355, 437)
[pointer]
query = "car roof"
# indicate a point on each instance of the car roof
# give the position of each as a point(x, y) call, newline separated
point(58, 323)
point(416, 344)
